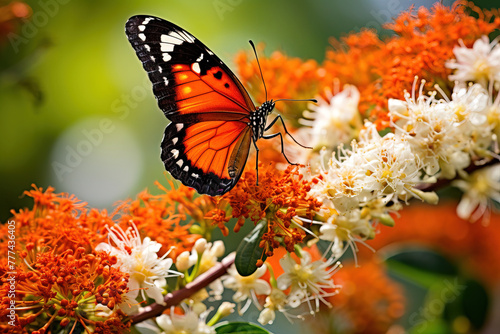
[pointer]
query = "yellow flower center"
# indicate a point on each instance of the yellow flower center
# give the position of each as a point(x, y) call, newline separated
point(303, 274)
point(247, 280)
point(482, 69)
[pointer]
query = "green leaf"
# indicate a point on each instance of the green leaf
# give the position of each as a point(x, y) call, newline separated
point(423, 259)
point(475, 303)
point(240, 327)
point(249, 252)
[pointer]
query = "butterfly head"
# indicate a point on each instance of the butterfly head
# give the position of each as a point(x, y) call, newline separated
point(267, 108)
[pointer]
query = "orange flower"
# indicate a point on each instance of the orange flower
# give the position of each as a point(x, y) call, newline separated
point(278, 198)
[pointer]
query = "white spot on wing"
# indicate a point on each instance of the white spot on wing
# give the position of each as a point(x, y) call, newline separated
point(200, 58)
point(146, 20)
point(175, 153)
point(167, 47)
point(195, 175)
point(165, 80)
point(160, 69)
point(180, 163)
point(172, 39)
point(142, 36)
point(175, 140)
point(142, 27)
point(166, 57)
point(179, 126)
point(186, 36)
point(147, 47)
point(186, 168)
point(210, 52)
point(196, 68)
point(153, 58)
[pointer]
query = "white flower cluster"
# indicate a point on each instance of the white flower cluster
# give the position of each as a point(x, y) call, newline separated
point(148, 272)
point(303, 283)
point(335, 120)
point(328, 123)
point(432, 138)
point(139, 259)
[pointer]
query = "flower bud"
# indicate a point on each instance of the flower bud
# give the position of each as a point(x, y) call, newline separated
point(200, 245)
point(226, 308)
point(218, 248)
point(182, 262)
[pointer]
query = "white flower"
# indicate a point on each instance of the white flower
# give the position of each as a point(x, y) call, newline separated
point(469, 104)
point(480, 189)
point(480, 64)
point(334, 121)
point(345, 230)
point(210, 255)
point(210, 252)
point(188, 323)
point(246, 287)
point(308, 281)
point(139, 259)
point(276, 301)
point(493, 112)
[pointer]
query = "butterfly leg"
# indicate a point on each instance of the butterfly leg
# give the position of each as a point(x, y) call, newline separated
point(282, 145)
point(256, 160)
point(286, 131)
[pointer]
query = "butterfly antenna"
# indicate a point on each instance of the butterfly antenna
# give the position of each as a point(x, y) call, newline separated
point(257, 57)
point(293, 100)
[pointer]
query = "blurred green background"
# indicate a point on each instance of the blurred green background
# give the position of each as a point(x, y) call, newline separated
point(76, 108)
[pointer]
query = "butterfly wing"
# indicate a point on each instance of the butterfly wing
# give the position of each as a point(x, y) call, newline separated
point(208, 156)
point(188, 79)
point(206, 145)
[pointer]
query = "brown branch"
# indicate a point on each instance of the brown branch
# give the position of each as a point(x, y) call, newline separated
point(174, 298)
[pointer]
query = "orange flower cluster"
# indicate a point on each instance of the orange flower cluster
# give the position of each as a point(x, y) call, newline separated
point(358, 309)
point(60, 278)
point(424, 41)
point(278, 198)
point(59, 290)
point(474, 245)
point(285, 77)
point(158, 217)
point(57, 222)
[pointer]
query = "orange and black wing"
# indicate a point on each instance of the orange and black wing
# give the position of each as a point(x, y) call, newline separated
point(208, 156)
point(206, 145)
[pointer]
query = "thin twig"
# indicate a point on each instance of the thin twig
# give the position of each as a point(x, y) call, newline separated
point(174, 298)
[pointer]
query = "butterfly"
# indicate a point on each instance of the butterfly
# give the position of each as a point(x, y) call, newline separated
point(213, 119)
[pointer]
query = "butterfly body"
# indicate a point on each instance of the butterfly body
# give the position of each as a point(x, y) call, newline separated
point(258, 119)
point(213, 119)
